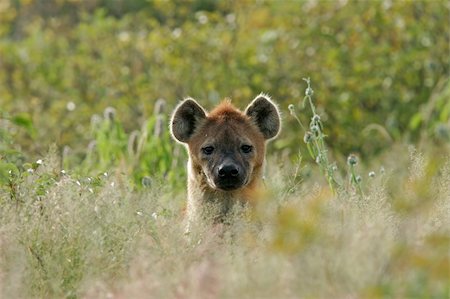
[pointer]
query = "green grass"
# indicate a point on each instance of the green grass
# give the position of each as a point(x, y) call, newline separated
point(378, 67)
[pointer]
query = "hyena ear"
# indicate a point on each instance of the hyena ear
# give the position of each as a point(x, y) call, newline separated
point(265, 114)
point(185, 119)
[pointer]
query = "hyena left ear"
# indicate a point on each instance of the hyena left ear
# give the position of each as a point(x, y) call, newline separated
point(185, 119)
point(265, 114)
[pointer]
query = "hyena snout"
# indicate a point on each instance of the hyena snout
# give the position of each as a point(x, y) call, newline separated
point(226, 171)
point(229, 176)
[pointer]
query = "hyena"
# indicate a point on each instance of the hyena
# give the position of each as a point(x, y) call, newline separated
point(226, 152)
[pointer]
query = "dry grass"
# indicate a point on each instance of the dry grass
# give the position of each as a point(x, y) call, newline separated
point(103, 239)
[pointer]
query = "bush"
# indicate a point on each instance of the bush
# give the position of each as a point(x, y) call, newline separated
point(381, 68)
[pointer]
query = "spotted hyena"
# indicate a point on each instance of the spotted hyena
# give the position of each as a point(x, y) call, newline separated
point(226, 152)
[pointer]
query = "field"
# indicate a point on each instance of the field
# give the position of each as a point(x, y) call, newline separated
point(99, 238)
point(92, 187)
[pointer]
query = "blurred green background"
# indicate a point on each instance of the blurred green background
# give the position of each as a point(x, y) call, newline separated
point(99, 78)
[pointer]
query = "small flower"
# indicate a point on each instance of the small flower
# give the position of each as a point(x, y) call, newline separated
point(139, 213)
point(309, 91)
point(30, 170)
point(315, 128)
point(63, 172)
point(95, 120)
point(123, 36)
point(316, 118)
point(39, 162)
point(291, 109)
point(71, 106)
point(91, 190)
point(78, 183)
point(334, 168)
point(112, 184)
point(372, 174)
point(231, 18)
point(105, 174)
point(154, 215)
point(308, 137)
point(202, 18)
point(176, 33)
point(358, 179)
point(352, 160)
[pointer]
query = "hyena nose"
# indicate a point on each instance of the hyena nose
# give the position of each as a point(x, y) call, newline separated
point(228, 170)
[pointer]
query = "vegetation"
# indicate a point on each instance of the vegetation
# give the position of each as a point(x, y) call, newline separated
point(98, 238)
point(92, 186)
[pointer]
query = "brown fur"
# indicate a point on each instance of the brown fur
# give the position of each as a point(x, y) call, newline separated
point(227, 130)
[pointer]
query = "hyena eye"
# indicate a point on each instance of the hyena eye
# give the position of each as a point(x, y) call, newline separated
point(208, 150)
point(246, 148)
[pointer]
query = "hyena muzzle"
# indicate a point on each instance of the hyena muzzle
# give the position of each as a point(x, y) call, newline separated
point(226, 152)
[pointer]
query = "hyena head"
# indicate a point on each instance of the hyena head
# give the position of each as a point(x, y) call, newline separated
point(226, 146)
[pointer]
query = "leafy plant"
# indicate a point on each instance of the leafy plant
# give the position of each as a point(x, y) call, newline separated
point(315, 139)
point(381, 68)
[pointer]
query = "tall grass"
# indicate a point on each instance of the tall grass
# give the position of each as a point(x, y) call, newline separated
point(144, 155)
point(378, 231)
point(66, 237)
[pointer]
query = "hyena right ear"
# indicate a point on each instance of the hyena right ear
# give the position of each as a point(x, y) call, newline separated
point(185, 119)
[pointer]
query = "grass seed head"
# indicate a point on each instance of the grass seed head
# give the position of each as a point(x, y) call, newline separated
point(160, 107)
point(159, 126)
point(133, 143)
point(109, 113)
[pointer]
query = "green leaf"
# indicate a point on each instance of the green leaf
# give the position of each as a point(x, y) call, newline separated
point(415, 121)
point(24, 120)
